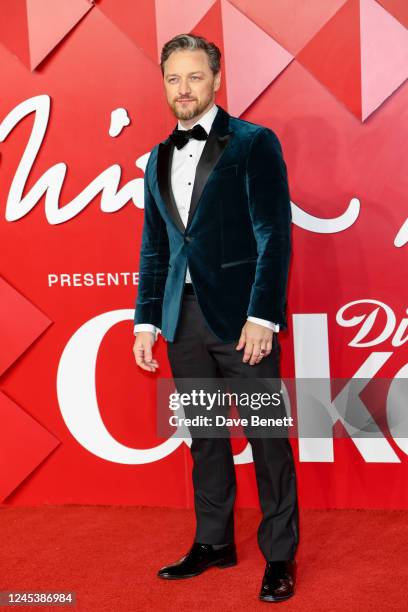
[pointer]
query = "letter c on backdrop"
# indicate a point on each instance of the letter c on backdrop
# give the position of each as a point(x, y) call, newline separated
point(77, 398)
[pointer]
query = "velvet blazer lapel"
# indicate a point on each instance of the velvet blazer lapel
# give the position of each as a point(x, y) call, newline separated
point(215, 144)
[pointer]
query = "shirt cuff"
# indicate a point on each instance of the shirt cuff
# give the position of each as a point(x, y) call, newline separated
point(146, 327)
point(269, 324)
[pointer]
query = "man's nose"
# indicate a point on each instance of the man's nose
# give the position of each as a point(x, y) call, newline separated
point(184, 87)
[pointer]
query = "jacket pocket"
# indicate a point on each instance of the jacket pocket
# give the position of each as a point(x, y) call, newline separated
point(237, 262)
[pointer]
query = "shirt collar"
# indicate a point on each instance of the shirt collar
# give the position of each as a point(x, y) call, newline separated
point(205, 121)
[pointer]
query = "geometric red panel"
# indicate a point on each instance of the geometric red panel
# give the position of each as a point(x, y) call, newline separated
point(31, 29)
point(250, 68)
point(384, 55)
point(20, 324)
point(14, 29)
point(49, 22)
point(24, 444)
point(292, 23)
point(142, 31)
point(397, 8)
point(178, 16)
point(333, 56)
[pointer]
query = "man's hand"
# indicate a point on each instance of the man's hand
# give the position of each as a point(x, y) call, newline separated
point(255, 338)
point(142, 350)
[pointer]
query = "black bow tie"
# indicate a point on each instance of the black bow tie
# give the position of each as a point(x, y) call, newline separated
point(181, 137)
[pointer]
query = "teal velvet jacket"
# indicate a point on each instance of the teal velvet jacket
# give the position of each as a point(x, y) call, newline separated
point(237, 241)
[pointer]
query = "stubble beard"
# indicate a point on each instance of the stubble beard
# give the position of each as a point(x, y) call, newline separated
point(189, 113)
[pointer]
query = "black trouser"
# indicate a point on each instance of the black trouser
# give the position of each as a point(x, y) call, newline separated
point(197, 353)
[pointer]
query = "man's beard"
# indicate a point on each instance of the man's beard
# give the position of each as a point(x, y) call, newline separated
point(194, 109)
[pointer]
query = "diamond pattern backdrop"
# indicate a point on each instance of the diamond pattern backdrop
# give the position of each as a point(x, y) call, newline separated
point(321, 73)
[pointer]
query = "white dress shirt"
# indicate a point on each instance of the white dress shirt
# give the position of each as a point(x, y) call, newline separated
point(183, 168)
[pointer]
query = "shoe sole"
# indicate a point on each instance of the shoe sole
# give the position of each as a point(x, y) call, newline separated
point(219, 565)
point(270, 599)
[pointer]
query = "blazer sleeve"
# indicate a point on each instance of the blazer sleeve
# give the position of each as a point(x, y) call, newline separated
point(270, 211)
point(154, 261)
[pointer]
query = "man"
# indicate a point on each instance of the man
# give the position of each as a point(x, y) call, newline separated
point(213, 275)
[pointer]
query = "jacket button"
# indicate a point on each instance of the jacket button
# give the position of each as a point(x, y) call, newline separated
point(188, 238)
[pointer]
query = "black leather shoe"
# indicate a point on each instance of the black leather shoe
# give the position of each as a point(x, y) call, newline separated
point(278, 582)
point(199, 558)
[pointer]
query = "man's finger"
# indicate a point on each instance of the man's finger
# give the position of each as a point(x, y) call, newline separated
point(147, 353)
point(268, 346)
point(248, 351)
point(143, 354)
point(139, 354)
point(256, 351)
point(263, 352)
point(241, 341)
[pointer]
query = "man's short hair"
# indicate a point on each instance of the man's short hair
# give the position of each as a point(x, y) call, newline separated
point(191, 42)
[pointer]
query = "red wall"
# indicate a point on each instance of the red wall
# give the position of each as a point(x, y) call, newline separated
point(104, 57)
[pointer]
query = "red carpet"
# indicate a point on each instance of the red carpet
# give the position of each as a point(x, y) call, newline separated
point(351, 560)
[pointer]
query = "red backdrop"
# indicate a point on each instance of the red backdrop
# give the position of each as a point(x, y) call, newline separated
point(329, 77)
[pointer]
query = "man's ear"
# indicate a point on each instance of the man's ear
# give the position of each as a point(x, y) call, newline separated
point(217, 81)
